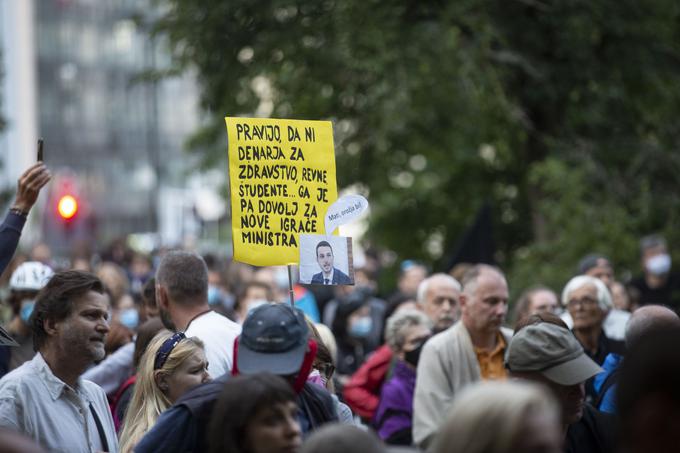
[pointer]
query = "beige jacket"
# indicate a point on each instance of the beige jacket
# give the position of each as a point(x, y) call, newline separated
point(447, 364)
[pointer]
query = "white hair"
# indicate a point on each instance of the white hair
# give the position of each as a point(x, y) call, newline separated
point(604, 299)
point(395, 332)
point(488, 417)
point(425, 285)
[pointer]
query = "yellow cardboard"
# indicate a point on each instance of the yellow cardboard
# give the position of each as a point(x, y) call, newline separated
point(282, 180)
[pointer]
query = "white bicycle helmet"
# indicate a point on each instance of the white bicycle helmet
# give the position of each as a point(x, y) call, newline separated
point(30, 276)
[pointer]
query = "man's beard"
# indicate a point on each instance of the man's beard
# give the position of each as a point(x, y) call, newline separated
point(80, 346)
point(167, 320)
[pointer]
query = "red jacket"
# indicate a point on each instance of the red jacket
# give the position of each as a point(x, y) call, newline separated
point(362, 392)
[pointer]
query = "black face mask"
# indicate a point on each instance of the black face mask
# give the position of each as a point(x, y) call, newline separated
point(413, 356)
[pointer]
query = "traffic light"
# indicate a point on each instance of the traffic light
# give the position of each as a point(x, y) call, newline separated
point(67, 207)
point(66, 199)
point(68, 222)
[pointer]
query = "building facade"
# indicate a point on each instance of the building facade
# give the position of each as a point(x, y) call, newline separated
point(114, 136)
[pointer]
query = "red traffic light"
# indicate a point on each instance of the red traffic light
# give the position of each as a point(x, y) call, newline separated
point(67, 207)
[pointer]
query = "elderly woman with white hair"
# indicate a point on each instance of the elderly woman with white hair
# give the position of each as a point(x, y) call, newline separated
point(588, 301)
point(406, 333)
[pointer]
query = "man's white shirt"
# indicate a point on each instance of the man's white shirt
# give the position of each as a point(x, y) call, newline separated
point(217, 333)
point(36, 403)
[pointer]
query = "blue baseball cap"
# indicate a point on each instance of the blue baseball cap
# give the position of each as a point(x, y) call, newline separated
point(273, 339)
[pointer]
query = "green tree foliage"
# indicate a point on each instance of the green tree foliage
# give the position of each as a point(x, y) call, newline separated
point(563, 113)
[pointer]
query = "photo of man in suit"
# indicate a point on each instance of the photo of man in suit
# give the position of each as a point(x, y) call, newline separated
point(329, 275)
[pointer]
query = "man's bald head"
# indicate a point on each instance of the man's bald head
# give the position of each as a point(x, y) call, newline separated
point(484, 301)
point(648, 319)
point(477, 272)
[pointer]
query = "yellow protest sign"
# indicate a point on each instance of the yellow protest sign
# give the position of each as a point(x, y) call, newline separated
point(282, 180)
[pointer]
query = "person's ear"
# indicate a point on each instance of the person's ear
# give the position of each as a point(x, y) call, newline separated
point(161, 380)
point(463, 300)
point(162, 297)
point(51, 327)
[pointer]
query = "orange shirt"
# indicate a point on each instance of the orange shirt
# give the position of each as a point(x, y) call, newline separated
point(491, 361)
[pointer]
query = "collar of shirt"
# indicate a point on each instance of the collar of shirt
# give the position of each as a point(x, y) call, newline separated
point(330, 276)
point(500, 347)
point(491, 362)
point(55, 386)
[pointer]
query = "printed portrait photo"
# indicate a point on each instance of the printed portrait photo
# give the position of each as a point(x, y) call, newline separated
point(326, 260)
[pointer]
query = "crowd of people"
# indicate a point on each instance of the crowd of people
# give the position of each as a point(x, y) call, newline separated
point(174, 352)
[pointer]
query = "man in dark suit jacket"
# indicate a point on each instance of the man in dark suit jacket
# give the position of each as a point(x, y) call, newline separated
point(329, 275)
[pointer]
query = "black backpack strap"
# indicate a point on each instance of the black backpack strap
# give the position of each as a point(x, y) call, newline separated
point(100, 428)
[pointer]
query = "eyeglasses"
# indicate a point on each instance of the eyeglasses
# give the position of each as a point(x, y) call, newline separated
point(585, 302)
point(166, 348)
point(327, 369)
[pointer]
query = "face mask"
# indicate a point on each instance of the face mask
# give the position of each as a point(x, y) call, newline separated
point(362, 327)
point(659, 264)
point(254, 304)
point(129, 318)
point(214, 296)
point(413, 356)
point(315, 377)
point(26, 310)
point(228, 300)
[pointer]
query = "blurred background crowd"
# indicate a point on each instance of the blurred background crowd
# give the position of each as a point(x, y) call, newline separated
point(369, 342)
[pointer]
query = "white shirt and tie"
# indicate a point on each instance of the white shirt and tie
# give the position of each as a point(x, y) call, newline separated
point(328, 280)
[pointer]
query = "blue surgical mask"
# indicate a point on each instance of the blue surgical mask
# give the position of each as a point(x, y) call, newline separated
point(26, 310)
point(129, 318)
point(228, 300)
point(214, 295)
point(361, 328)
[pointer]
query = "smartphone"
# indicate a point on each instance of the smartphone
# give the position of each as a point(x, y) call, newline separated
point(40, 150)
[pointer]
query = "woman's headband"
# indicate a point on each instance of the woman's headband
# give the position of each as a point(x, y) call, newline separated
point(166, 348)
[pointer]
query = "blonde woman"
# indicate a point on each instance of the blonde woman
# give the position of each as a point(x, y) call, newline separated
point(171, 365)
point(501, 417)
